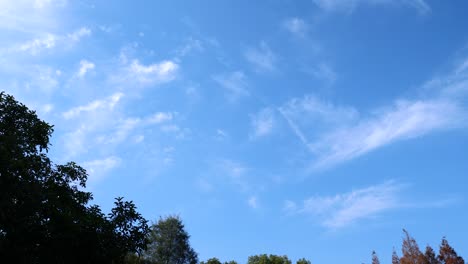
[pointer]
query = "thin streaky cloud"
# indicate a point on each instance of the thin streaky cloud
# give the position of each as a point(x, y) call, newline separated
point(99, 169)
point(107, 103)
point(348, 6)
point(30, 16)
point(344, 209)
point(49, 41)
point(337, 134)
point(341, 210)
point(405, 120)
point(262, 58)
point(234, 83)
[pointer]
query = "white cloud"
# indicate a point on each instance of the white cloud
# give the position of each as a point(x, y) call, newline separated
point(235, 172)
point(47, 108)
point(43, 78)
point(122, 130)
point(350, 5)
point(311, 111)
point(36, 45)
point(49, 41)
point(234, 83)
point(341, 210)
point(296, 26)
point(30, 16)
point(190, 46)
point(233, 169)
point(263, 59)
point(152, 74)
point(160, 117)
point(335, 134)
point(221, 134)
point(405, 120)
point(262, 123)
point(253, 202)
point(107, 103)
point(75, 142)
point(85, 66)
point(289, 206)
point(78, 34)
point(98, 169)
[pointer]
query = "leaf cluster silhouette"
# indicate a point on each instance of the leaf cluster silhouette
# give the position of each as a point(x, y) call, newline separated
point(45, 214)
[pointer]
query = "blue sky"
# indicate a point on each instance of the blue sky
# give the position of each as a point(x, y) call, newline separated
point(314, 129)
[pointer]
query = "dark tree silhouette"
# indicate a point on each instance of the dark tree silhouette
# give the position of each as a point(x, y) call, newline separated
point(44, 212)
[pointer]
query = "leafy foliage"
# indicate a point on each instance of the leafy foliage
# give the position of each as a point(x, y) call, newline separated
point(217, 261)
point(169, 243)
point(268, 259)
point(303, 261)
point(45, 216)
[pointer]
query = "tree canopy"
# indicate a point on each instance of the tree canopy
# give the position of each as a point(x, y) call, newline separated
point(45, 215)
point(411, 254)
point(169, 243)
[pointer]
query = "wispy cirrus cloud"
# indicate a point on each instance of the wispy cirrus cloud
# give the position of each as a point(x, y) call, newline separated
point(342, 133)
point(30, 16)
point(348, 208)
point(107, 103)
point(348, 6)
point(404, 120)
point(103, 123)
point(262, 58)
point(235, 84)
point(49, 41)
point(340, 210)
point(98, 169)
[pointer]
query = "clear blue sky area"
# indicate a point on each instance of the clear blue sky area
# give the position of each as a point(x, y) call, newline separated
point(316, 129)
